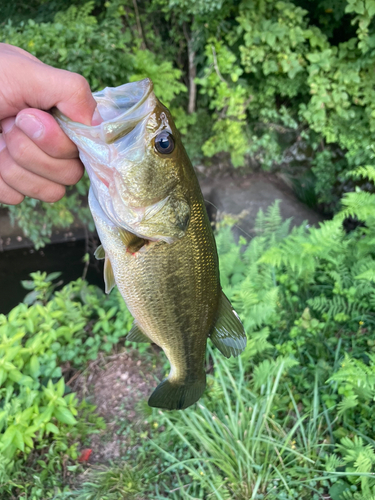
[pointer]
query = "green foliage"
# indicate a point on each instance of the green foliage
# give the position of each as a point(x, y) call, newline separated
point(106, 54)
point(288, 419)
point(292, 418)
point(39, 416)
point(37, 219)
point(274, 74)
point(270, 75)
point(110, 483)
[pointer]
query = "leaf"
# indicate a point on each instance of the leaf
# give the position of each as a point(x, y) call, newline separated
point(34, 366)
point(8, 436)
point(56, 372)
point(44, 417)
point(336, 491)
point(28, 284)
point(53, 276)
point(60, 387)
point(28, 441)
point(15, 376)
point(3, 376)
point(64, 416)
point(30, 298)
point(18, 440)
point(50, 427)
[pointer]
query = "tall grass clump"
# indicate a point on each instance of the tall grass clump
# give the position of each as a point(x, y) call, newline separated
point(239, 448)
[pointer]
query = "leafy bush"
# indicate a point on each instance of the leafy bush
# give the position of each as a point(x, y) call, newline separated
point(39, 416)
point(274, 81)
point(106, 54)
point(274, 76)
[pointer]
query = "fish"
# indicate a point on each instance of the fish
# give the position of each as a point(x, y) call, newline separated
point(156, 238)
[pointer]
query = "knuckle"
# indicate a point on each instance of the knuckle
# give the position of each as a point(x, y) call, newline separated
point(73, 173)
point(20, 151)
point(52, 194)
point(8, 171)
point(79, 86)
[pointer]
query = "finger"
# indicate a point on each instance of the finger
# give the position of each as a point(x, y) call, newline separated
point(10, 49)
point(27, 82)
point(74, 99)
point(28, 183)
point(45, 132)
point(27, 154)
point(7, 194)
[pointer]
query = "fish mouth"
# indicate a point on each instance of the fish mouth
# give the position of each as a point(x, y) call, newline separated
point(122, 102)
point(121, 109)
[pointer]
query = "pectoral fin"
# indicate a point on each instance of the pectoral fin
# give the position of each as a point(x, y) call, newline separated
point(228, 335)
point(109, 278)
point(136, 334)
point(132, 242)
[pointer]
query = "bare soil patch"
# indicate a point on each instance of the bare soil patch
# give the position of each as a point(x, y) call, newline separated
point(119, 385)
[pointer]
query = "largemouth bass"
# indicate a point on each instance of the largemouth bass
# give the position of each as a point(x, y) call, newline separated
point(155, 236)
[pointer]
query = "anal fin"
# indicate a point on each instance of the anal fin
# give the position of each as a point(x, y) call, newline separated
point(136, 334)
point(228, 334)
point(109, 279)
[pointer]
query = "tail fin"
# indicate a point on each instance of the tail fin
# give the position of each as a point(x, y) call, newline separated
point(170, 395)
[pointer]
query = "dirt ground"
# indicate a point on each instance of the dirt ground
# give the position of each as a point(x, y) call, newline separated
point(119, 386)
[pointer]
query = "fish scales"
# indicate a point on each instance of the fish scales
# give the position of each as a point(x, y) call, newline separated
point(156, 237)
point(174, 288)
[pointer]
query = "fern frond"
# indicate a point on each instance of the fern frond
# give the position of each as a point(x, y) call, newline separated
point(358, 375)
point(333, 462)
point(357, 204)
point(267, 369)
point(347, 404)
point(258, 343)
point(368, 275)
point(366, 172)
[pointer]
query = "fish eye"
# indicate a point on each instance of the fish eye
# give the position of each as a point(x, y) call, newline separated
point(164, 143)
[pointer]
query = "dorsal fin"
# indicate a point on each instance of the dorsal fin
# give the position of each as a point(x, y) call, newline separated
point(228, 334)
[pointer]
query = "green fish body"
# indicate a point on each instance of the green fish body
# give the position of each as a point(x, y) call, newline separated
point(156, 237)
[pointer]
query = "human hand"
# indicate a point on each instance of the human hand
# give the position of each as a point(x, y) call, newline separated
point(36, 158)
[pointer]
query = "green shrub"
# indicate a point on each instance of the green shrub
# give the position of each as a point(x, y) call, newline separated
point(274, 82)
point(106, 54)
point(39, 416)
